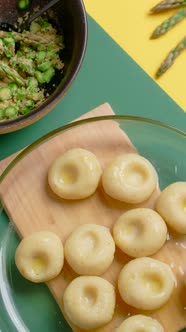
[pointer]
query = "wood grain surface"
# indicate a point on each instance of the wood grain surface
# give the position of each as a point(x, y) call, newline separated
point(31, 206)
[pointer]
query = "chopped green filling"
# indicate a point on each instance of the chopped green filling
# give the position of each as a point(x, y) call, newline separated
point(5, 93)
point(1, 113)
point(44, 66)
point(10, 112)
point(23, 4)
point(28, 62)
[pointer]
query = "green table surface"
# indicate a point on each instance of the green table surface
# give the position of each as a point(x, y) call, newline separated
point(107, 74)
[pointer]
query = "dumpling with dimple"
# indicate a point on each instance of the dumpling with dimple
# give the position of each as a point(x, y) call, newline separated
point(75, 174)
point(140, 232)
point(40, 256)
point(141, 323)
point(171, 205)
point(130, 178)
point(89, 249)
point(146, 283)
point(89, 302)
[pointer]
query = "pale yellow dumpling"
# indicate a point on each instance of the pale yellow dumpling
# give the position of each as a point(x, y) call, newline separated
point(89, 302)
point(140, 232)
point(140, 323)
point(39, 256)
point(89, 249)
point(171, 205)
point(146, 283)
point(129, 178)
point(75, 174)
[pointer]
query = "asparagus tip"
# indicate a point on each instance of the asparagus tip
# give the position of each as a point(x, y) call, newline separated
point(158, 74)
point(153, 10)
point(154, 35)
point(157, 9)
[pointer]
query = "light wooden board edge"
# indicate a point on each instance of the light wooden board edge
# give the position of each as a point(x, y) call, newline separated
point(105, 109)
point(102, 110)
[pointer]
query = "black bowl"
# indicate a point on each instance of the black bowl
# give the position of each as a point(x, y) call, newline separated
point(68, 16)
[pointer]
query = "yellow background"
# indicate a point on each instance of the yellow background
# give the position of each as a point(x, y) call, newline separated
point(129, 23)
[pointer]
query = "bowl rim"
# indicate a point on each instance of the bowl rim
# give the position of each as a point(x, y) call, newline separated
point(78, 123)
point(27, 118)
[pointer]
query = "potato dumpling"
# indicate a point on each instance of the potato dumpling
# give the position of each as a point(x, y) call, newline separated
point(140, 232)
point(129, 178)
point(90, 249)
point(89, 302)
point(171, 205)
point(140, 323)
point(75, 174)
point(146, 283)
point(39, 256)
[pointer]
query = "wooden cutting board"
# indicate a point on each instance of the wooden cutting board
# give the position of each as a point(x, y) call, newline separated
point(32, 206)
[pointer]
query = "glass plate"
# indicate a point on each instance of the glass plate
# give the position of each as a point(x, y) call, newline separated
point(30, 307)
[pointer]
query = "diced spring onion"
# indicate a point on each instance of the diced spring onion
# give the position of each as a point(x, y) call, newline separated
point(44, 66)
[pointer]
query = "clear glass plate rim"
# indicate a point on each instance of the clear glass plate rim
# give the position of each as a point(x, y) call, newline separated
point(69, 126)
point(77, 123)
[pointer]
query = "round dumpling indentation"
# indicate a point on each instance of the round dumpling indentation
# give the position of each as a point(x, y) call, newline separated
point(171, 205)
point(39, 256)
point(39, 263)
point(153, 281)
point(129, 178)
point(69, 174)
point(75, 174)
point(89, 249)
point(146, 283)
point(89, 302)
point(89, 241)
point(136, 174)
point(140, 323)
point(90, 295)
point(140, 232)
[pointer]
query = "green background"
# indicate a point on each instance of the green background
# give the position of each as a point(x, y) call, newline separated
point(108, 74)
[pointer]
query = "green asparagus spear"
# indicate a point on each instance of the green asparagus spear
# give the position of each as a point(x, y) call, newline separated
point(169, 23)
point(174, 53)
point(167, 4)
point(12, 74)
point(32, 38)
